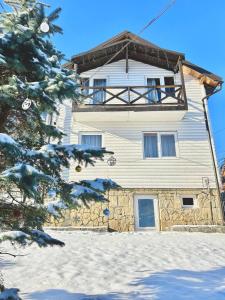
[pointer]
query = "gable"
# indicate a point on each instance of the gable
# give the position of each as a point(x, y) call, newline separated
point(127, 45)
point(116, 72)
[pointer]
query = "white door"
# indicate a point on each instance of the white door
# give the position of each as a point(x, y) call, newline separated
point(146, 212)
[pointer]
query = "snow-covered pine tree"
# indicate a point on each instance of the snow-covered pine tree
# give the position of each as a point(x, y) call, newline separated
point(33, 83)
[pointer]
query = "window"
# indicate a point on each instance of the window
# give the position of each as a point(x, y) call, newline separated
point(154, 94)
point(85, 84)
point(91, 140)
point(151, 145)
point(168, 145)
point(100, 94)
point(169, 81)
point(188, 201)
point(159, 144)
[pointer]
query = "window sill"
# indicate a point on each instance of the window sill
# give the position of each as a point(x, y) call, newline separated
point(158, 158)
point(188, 207)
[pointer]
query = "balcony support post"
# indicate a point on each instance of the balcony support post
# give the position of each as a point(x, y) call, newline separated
point(128, 94)
point(182, 82)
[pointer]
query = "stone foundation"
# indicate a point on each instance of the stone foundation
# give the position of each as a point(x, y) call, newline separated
point(170, 210)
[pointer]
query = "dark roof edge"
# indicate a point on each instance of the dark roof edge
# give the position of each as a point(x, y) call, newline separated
point(126, 36)
point(203, 71)
point(121, 42)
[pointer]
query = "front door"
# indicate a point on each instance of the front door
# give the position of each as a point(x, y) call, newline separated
point(145, 212)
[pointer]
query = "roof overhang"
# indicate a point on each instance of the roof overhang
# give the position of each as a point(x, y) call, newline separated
point(127, 45)
point(205, 77)
point(133, 50)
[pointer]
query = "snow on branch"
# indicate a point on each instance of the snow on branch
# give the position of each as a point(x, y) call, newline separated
point(43, 239)
point(14, 236)
point(27, 177)
point(58, 155)
point(54, 207)
point(100, 185)
point(5, 139)
point(9, 145)
point(77, 193)
point(40, 237)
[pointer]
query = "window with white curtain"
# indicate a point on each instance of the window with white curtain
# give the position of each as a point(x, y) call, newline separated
point(151, 145)
point(168, 145)
point(94, 140)
point(159, 144)
point(99, 95)
point(154, 94)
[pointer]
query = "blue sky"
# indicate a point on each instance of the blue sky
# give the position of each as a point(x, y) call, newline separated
point(194, 27)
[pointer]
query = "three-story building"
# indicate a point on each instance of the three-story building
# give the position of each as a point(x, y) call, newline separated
point(145, 104)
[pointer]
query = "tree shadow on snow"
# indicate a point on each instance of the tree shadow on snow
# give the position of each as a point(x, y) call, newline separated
point(167, 285)
point(5, 263)
point(65, 295)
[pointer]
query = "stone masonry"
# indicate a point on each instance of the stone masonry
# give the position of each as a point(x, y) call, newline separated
point(170, 210)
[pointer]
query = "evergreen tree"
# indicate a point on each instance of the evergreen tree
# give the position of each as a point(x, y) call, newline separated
point(33, 83)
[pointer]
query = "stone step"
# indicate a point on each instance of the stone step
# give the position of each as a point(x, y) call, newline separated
point(199, 228)
point(74, 228)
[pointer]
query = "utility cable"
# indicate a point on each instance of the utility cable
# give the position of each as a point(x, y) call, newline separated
point(160, 14)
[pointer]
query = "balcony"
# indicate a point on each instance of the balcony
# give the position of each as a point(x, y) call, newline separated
point(131, 102)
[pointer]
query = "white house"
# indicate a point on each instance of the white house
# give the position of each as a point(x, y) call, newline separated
point(145, 104)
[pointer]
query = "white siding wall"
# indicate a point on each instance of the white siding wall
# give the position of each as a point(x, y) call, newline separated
point(125, 138)
point(138, 73)
point(64, 123)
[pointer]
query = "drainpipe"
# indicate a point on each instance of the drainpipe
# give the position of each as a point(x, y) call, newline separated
point(215, 167)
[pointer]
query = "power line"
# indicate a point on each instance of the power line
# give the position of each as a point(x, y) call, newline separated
point(160, 14)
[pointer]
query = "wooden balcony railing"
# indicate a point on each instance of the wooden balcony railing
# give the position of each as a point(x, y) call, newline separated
point(159, 97)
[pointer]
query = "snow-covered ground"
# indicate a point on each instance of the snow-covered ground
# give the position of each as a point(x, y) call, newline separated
point(121, 266)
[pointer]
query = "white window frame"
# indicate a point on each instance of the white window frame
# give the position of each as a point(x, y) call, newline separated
point(189, 206)
point(159, 134)
point(91, 133)
point(91, 84)
point(161, 78)
point(99, 76)
point(146, 77)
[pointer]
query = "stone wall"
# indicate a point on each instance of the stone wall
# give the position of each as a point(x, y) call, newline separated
point(121, 207)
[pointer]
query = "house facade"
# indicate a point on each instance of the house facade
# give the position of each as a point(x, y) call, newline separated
point(145, 104)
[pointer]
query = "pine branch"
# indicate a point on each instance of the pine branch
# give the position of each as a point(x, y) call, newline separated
point(55, 14)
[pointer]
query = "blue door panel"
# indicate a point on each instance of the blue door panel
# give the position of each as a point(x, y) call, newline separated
point(146, 213)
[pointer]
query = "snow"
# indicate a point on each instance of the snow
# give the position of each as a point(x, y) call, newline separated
point(13, 235)
point(100, 184)
point(41, 238)
point(79, 191)
point(6, 139)
point(54, 206)
point(117, 266)
point(68, 149)
point(21, 169)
